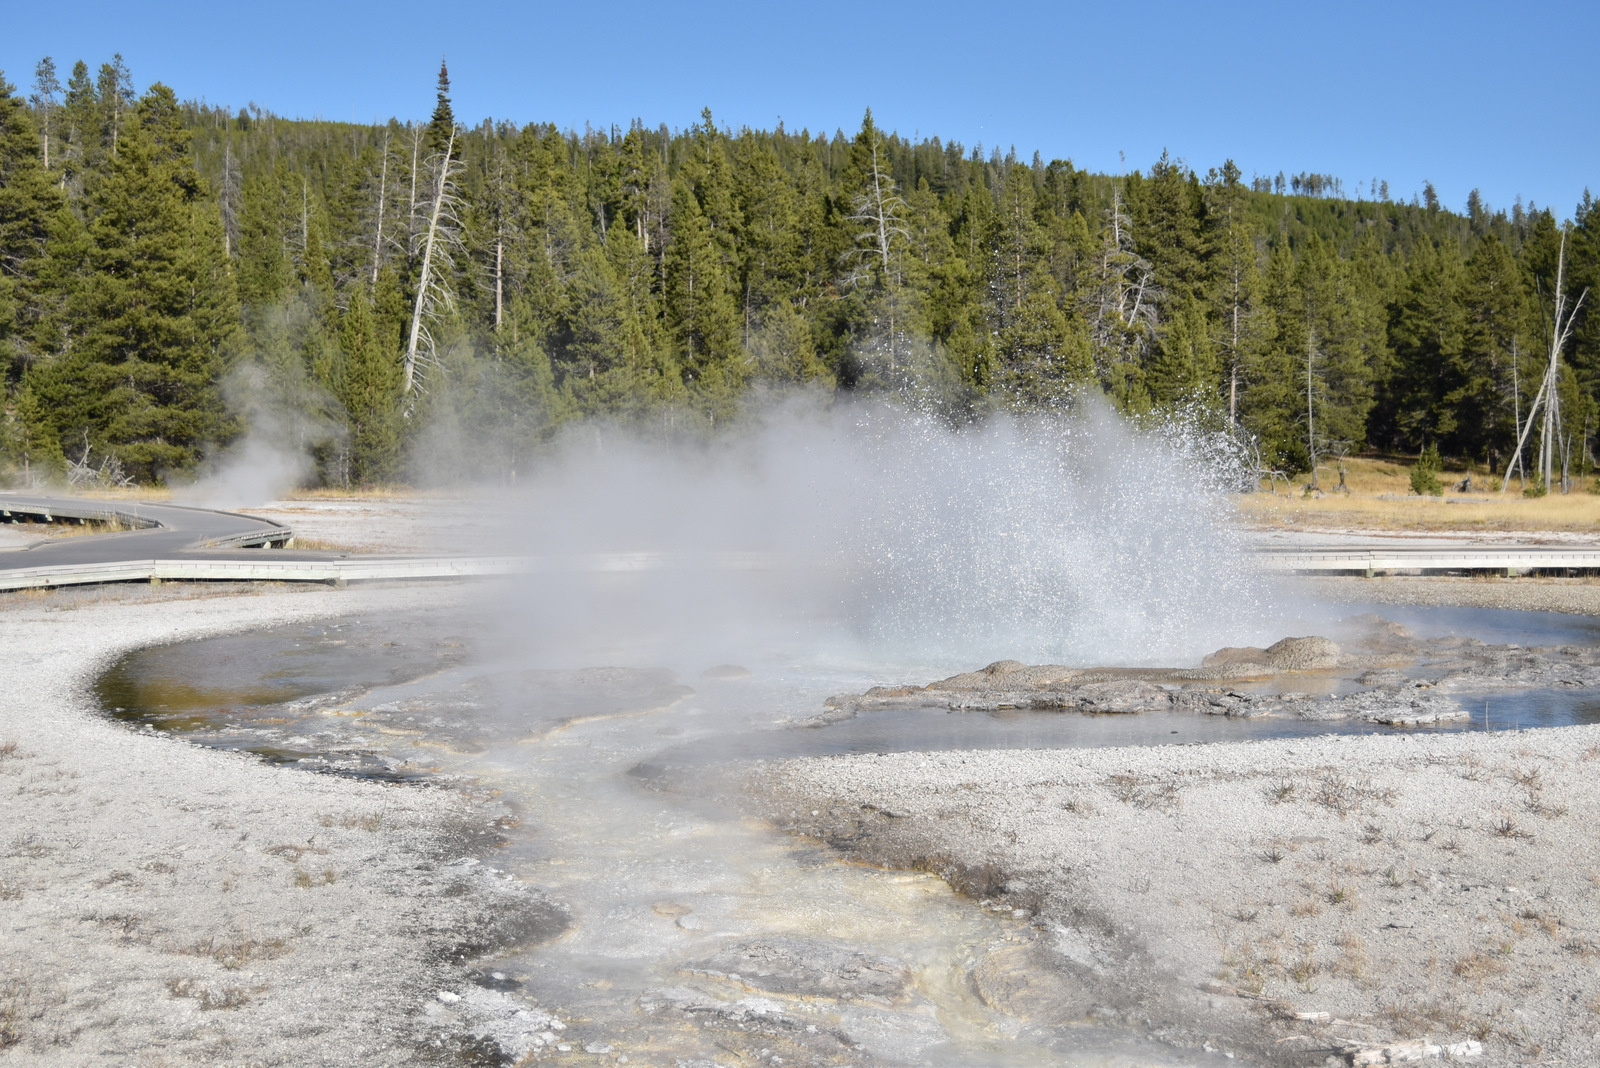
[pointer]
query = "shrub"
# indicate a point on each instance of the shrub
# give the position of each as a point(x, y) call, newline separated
point(1425, 474)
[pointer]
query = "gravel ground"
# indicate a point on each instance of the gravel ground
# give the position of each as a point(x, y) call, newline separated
point(479, 522)
point(1437, 887)
point(1299, 902)
point(162, 903)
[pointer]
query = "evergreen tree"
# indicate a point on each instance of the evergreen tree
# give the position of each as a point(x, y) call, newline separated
point(1425, 330)
point(1036, 359)
point(29, 206)
point(367, 383)
point(701, 313)
point(1312, 389)
point(1480, 403)
point(1241, 321)
point(1120, 309)
point(114, 98)
point(46, 87)
point(1185, 366)
point(1165, 209)
point(624, 271)
point(80, 127)
point(442, 125)
point(153, 313)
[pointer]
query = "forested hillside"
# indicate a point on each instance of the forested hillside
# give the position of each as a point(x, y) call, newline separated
point(170, 272)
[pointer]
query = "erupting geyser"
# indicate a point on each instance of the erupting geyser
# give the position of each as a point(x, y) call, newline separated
point(897, 538)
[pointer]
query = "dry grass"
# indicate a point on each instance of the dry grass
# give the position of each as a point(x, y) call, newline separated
point(1479, 966)
point(164, 493)
point(1506, 827)
point(110, 493)
point(320, 545)
point(228, 997)
point(1380, 498)
point(13, 996)
point(305, 880)
point(1415, 1019)
point(373, 821)
point(293, 853)
point(1161, 795)
point(325, 493)
point(236, 952)
point(66, 528)
point(1344, 796)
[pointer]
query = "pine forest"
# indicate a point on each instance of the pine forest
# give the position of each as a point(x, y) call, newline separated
point(174, 276)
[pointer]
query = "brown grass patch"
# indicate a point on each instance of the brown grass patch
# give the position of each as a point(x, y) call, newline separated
point(233, 953)
point(228, 997)
point(1479, 966)
point(1428, 1017)
point(1344, 795)
point(292, 853)
point(13, 999)
point(319, 545)
point(1380, 498)
point(1161, 795)
point(335, 493)
point(305, 880)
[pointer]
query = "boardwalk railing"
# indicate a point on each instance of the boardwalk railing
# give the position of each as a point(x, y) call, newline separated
point(268, 566)
point(1509, 559)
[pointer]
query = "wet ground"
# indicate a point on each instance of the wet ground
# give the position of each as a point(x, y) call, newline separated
point(697, 936)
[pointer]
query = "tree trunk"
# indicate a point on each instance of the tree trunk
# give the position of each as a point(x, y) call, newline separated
point(436, 210)
point(499, 277)
point(1311, 426)
point(383, 192)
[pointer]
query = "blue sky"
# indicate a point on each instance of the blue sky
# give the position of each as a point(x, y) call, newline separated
point(1497, 96)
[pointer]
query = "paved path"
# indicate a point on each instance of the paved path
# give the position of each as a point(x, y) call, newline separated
point(166, 541)
point(176, 542)
point(158, 530)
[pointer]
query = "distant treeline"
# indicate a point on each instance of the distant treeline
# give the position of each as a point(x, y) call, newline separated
point(170, 272)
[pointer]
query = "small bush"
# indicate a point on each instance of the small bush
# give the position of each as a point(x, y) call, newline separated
point(1425, 474)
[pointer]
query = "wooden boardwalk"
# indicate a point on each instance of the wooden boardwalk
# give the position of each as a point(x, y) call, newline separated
point(174, 543)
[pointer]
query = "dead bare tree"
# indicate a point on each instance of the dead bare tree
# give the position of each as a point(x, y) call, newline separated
point(1123, 316)
point(46, 88)
point(228, 199)
point(1516, 420)
point(383, 196)
point(879, 214)
point(82, 472)
point(1548, 400)
point(418, 133)
point(1311, 411)
point(501, 205)
point(879, 209)
point(439, 242)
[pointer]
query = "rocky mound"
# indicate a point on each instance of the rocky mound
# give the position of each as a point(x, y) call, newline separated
point(1384, 675)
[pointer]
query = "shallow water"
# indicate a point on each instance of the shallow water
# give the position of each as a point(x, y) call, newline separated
point(1491, 625)
point(659, 882)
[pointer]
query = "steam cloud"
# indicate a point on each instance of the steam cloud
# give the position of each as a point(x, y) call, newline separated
point(865, 534)
point(275, 454)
